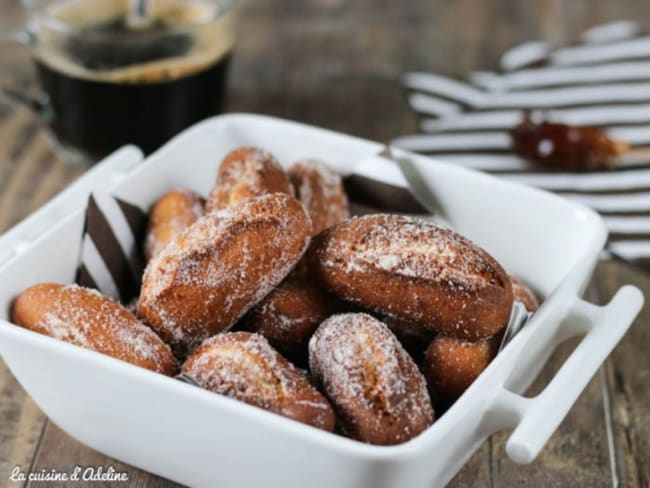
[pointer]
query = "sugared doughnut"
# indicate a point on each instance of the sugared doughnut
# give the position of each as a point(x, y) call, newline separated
point(174, 212)
point(523, 294)
point(451, 365)
point(290, 314)
point(86, 318)
point(244, 366)
point(378, 393)
point(244, 173)
point(210, 275)
point(320, 189)
point(409, 268)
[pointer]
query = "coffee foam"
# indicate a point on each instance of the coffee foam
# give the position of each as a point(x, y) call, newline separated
point(212, 34)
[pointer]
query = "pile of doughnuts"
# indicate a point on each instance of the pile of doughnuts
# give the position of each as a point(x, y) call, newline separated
point(269, 293)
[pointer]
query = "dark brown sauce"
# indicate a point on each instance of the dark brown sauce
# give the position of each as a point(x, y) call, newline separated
point(564, 147)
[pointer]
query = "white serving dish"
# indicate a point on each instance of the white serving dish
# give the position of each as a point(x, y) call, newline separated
point(201, 439)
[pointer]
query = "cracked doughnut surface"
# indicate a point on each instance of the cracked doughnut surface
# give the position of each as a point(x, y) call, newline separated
point(244, 366)
point(414, 270)
point(211, 274)
point(376, 389)
point(244, 173)
point(84, 317)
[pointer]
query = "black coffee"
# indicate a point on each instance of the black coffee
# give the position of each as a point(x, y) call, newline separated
point(99, 117)
point(109, 85)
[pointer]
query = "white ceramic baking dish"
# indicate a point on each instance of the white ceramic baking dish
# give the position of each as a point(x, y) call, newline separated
point(201, 439)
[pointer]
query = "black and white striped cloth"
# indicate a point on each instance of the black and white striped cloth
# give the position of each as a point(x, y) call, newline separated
point(603, 81)
point(111, 259)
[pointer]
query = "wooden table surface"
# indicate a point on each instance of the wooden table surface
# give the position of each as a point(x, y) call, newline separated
point(334, 63)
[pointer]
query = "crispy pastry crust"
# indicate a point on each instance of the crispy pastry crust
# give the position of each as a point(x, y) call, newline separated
point(290, 314)
point(378, 393)
point(86, 318)
point(320, 190)
point(217, 269)
point(451, 365)
point(244, 173)
point(244, 366)
point(174, 212)
point(414, 270)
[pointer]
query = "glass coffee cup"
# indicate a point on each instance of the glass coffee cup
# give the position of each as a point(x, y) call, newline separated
point(110, 79)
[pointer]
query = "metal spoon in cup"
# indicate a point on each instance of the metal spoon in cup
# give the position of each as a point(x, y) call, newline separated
point(139, 15)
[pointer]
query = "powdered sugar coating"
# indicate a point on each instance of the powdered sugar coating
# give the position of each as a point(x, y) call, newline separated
point(171, 214)
point(412, 247)
point(244, 366)
point(412, 269)
point(377, 391)
point(320, 190)
point(226, 262)
point(86, 318)
point(244, 173)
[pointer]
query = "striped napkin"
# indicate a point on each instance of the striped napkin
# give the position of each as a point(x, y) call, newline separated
point(111, 259)
point(603, 81)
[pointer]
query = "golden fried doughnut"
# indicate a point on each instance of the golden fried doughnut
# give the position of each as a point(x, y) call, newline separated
point(171, 214)
point(320, 189)
point(411, 269)
point(210, 275)
point(290, 314)
point(244, 366)
point(451, 365)
point(244, 173)
point(523, 294)
point(378, 393)
point(86, 318)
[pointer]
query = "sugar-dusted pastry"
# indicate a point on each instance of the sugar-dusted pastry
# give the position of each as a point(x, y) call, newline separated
point(210, 275)
point(411, 269)
point(244, 366)
point(170, 215)
point(376, 389)
point(290, 314)
point(523, 294)
point(86, 318)
point(451, 365)
point(244, 173)
point(320, 189)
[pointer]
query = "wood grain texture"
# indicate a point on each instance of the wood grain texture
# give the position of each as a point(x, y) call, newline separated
point(59, 450)
point(335, 63)
point(21, 425)
point(576, 455)
point(628, 379)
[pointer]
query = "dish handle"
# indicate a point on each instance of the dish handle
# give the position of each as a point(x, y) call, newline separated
point(539, 417)
point(104, 175)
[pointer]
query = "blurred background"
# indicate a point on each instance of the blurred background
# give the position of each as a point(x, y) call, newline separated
point(331, 63)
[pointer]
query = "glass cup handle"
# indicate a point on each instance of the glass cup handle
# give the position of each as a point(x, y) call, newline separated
point(39, 105)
